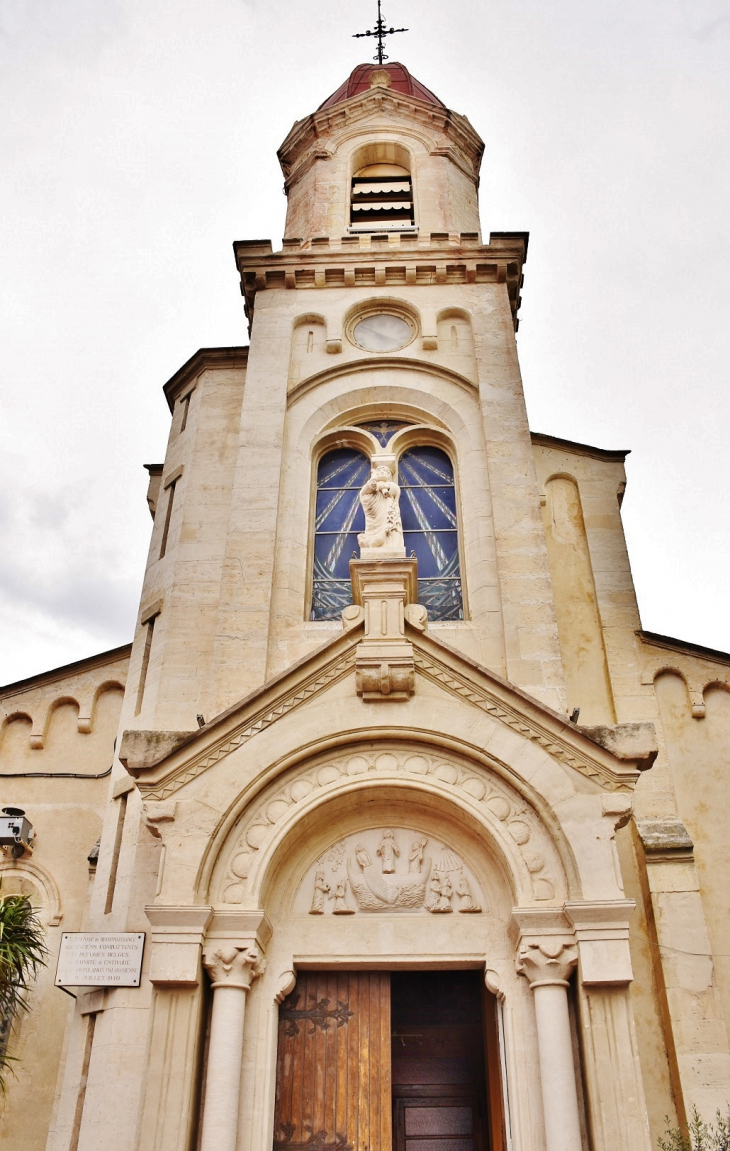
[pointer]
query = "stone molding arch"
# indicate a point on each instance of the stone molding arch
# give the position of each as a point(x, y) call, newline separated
point(89, 721)
point(43, 880)
point(510, 823)
point(345, 437)
point(344, 410)
point(15, 717)
point(39, 734)
point(379, 364)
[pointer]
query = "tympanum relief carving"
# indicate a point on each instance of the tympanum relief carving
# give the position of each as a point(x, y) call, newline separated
point(390, 869)
point(492, 801)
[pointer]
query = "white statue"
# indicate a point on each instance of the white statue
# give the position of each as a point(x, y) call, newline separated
point(379, 497)
point(388, 850)
point(321, 888)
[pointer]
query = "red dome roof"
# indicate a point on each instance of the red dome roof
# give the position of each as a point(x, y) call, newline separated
point(400, 81)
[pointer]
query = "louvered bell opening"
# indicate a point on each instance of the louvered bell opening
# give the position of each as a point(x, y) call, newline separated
point(382, 197)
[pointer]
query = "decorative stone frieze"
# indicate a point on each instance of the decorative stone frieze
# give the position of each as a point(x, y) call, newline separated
point(343, 265)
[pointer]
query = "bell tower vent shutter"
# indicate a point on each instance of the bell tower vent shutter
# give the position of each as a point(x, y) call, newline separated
point(381, 198)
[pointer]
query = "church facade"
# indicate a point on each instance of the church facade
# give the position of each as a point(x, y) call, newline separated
point(425, 834)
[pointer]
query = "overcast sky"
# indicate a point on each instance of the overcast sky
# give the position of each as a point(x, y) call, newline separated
point(139, 140)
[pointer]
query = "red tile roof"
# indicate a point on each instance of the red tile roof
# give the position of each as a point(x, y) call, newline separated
point(401, 81)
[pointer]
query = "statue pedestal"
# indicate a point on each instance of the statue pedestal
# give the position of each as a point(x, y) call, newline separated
point(386, 588)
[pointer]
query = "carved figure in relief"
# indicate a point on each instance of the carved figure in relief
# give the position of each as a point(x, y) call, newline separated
point(441, 892)
point(380, 497)
point(435, 891)
point(445, 894)
point(415, 856)
point(341, 907)
point(388, 850)
point(464, 893)
point(321, 888)
point(387, 870)
point(374, 892)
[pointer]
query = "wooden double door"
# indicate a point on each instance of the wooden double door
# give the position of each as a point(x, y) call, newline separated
point(381, 1061)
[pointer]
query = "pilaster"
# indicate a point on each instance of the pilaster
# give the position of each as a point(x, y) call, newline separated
point(694, 1025)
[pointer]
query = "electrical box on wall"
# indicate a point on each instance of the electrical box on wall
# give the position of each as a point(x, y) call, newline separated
point(16, 832)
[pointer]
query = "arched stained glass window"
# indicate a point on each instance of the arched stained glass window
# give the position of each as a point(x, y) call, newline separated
point(338, 519)
point(428, 512)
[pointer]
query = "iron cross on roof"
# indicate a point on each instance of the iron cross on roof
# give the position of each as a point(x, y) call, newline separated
point(380, 31)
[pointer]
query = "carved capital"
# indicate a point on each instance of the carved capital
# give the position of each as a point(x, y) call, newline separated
point(230, 966)
point(546, 961)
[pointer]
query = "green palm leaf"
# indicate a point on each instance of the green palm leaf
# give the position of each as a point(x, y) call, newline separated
point(22, 953)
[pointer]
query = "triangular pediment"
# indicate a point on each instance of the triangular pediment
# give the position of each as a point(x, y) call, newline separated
point(164, 762)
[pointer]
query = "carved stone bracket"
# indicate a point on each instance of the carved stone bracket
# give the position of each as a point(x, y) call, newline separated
point(230, 966)
point(384, 588)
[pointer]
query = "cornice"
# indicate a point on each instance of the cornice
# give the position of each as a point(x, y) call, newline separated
point(372, 103)
point(200, 361)
point(434, 660)
point(617, 455)
point(88, 664)
point(524, 714)
point(258, 711)
point(683, 647)
point(440, 259)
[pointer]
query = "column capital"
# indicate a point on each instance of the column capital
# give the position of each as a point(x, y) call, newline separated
point(546, 962)
point(231, 966)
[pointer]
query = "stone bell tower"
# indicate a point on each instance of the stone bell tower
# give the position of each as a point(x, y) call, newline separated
point(383, 302)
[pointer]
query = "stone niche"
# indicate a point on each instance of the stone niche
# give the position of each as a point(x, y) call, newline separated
point(391, 870)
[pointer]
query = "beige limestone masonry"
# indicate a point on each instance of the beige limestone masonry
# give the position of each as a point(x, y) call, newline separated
point(63, 721)
point(270, 811)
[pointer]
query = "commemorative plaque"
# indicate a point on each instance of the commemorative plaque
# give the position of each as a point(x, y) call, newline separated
point(100, 959)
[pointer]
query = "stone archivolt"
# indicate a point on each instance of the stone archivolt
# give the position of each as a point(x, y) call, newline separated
point(531, 853)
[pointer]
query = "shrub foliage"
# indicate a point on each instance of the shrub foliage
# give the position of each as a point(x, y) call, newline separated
point(699, 1136)
point(22, 953)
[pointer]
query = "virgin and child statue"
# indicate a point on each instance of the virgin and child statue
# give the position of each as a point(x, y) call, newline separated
point(380, 496)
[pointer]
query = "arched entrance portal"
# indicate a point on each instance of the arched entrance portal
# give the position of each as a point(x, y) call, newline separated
point(381, 881)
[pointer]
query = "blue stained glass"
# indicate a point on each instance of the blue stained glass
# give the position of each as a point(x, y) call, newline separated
point(338, 519)
point(430, 529)
point(384, 429)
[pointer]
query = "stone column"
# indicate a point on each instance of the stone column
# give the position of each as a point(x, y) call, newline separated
point(232, 971)
point(547, 965)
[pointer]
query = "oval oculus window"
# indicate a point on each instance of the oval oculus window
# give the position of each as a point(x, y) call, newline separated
point(382, 333)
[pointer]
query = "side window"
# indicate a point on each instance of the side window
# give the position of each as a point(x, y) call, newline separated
point(428, 511)
point(338, 519)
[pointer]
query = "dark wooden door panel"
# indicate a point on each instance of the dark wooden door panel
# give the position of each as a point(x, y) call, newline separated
point(445, 1120)
point(333, 1090)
